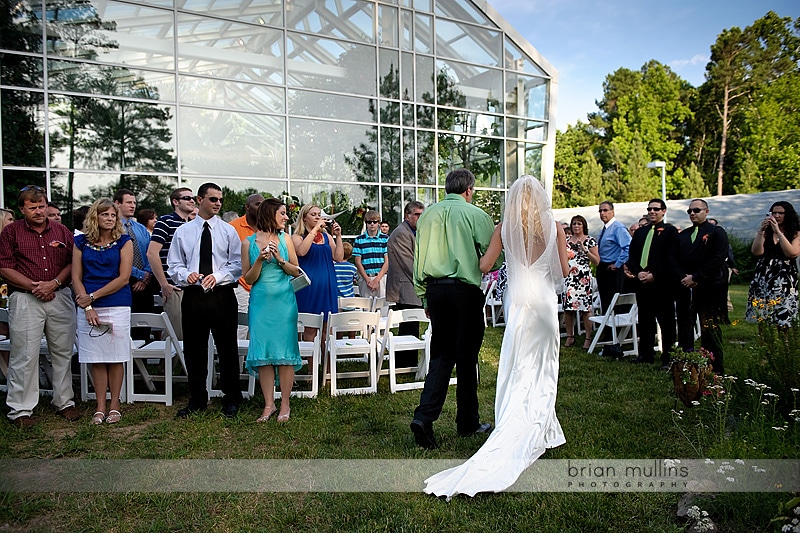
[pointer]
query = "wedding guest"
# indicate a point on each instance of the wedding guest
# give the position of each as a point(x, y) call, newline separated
point(385, 228)
point(316, 251)
point(269, 262)
point(346, 273)
point(147, 217)
point(38, 304)
point(773, 291)
point(578, 292)
point(612, 245)
point(101, 267)
point(370, 257)
point(245, 226)
point(6, 217)
point(78, 219)
point(53, 212)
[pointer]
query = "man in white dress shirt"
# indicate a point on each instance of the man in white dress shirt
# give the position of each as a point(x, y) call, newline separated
point(205, 260)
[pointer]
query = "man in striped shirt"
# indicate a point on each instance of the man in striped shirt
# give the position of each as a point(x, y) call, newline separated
point(371, 258)
point(183, 204)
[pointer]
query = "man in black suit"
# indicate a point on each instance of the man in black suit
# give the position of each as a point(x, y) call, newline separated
point(652, 266)
point(702, 251)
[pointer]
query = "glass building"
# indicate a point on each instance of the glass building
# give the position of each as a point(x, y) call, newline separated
point(351, 104)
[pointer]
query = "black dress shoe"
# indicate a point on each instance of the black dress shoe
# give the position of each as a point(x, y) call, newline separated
point(189, 410)
point(230, 411)
point(486, 427)
point(423, 435)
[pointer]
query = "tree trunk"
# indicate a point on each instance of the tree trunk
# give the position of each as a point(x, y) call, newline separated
point(723, 143)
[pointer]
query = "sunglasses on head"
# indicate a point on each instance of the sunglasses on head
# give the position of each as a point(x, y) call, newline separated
point(32, 188)
point(694, 210)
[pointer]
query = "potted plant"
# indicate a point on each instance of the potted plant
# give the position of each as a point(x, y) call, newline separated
point(691, 373)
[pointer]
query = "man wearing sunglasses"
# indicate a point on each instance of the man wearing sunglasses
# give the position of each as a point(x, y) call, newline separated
point(613, 244)
point(171, 295)
point(205, 259)
point(702, 251)
point(655, 276)
point(370, 256)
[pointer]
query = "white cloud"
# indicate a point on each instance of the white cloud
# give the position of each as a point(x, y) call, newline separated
point(697, 59)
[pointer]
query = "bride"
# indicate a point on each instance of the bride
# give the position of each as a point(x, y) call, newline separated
point(527, 377)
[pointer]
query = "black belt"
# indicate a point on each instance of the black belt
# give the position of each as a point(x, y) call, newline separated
point(445, 281)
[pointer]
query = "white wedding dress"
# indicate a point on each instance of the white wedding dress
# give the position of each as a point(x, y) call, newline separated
point(527, 377)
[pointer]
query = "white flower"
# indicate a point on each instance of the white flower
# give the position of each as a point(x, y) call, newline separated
point(709, 461)
point(693, 512)
point(669, 463)
point(795, 521)
point(705, 513)
point(739, 462)
point(795, 390)
point(730, 479)
point(786, 528)
point(779, 429)
point(695, 403)
point(797, 510)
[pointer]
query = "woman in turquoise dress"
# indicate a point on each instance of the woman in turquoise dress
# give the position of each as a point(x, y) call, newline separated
point(269, 262)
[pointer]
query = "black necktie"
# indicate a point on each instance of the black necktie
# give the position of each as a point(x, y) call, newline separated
point(137, 253)
point(600, 238)
point(206, 265)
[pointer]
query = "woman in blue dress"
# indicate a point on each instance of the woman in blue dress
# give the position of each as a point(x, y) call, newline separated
point(269, 262)
point(317, 251)
point(101, 266)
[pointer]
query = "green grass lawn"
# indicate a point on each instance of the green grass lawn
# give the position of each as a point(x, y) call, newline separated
point(607, 409)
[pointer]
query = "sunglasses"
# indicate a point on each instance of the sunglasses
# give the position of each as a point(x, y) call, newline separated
point(694, 210)
point(649, 209)
point(187, 198)
point(373, 222)
point(214, 199)
point(603, 210)
point(32, 188)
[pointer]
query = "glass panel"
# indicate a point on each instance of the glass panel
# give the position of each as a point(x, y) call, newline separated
point(423, 33)
point(408, 114)
point(409, 157)
point(390, 155)
point(21, 27)
point(160, 3)
point(408, 31)
point(389, 83)
point(423, 5)
point(231, 94)
point(112, 32)
point(316, 63)
point(515, 161)
point(425, 79)
point(390, 112)
point(462, 10)
point(346, 19)
point(530, 130)
point(71, 190)
point(110, 81)
point(468, 43)
point(516, 59)
point(491, 202)
point(228, 143)
point(104, 134)
point(13, 180)
point(427, 195)
point(425, 116)
point(426, 158)
point(407, 76)
point(224, 49)
point(332, 151)
point(471, 123)
point(392, 206)
point(468, 86)
point(352, 200)
point(236, 191)
point(259, 11)
point(22, 115)
point(533, 160)
point(482, 156)
point(325, 105)
point(20, 71)
point(388, 30)
point(526, 96)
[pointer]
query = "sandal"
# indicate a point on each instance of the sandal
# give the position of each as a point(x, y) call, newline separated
point(587, 343)
point(570, 341)
point(284, 418)
point(113, 417)
point(265, 417)
point(98, 418)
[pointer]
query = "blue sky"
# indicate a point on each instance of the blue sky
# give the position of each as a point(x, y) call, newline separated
point(585, 40)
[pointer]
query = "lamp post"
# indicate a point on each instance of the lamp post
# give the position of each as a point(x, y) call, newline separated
point(663, 166)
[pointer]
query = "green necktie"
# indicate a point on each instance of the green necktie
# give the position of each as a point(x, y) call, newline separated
point(694, 233)
point(646, 250)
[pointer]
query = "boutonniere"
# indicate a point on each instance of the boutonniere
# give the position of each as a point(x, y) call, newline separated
point(57, 244)
point(659, 230)
point(705, 238)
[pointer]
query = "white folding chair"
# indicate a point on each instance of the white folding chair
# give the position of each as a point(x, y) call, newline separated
point(87, 381)
point(362, 328)
point(393, 343)
point(311, 352)
point(168, 349)
point(487, 291)
point(622, 323)
point(355, 303)
point(494, 305)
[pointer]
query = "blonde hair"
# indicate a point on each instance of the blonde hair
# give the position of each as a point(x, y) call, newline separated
point(3, 212)
point(92, 220)
point(300, 227)
point(348, 250)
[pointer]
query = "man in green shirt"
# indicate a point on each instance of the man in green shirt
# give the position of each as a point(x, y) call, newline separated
point(451, 237)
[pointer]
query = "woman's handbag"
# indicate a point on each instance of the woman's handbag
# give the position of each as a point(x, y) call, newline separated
point(301, 281)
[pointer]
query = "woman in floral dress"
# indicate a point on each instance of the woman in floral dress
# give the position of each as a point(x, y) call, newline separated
point(773, 291)
point(582, 253)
